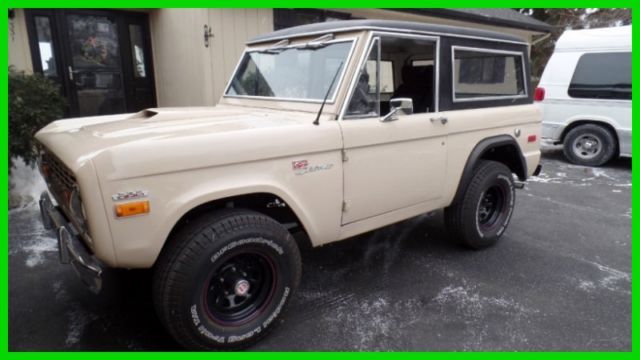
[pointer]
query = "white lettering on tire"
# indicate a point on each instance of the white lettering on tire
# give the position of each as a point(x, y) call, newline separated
point(511, 203)
point(276, 312)
point(194, 315)
point(478, 210)
point(204, 331)
point(250, 334)
point(236, 338)
point(237, 243)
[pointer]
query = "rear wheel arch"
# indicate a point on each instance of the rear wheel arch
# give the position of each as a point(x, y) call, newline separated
point(503, 149)
point(604, 124)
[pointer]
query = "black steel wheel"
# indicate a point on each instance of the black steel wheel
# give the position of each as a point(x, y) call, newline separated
point(238, 289)
point(483, 213)
point(224, 279)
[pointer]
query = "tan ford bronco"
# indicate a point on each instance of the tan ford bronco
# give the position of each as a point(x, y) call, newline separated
point(333, 129)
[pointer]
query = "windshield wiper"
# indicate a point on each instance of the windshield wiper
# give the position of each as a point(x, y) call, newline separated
point(317, 43)
point(271, 51)
point(326, 96)
point(276, 48)
point(280, 46)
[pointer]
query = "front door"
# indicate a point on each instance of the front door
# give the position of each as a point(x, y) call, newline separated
point(102, 59)
point(395, 164)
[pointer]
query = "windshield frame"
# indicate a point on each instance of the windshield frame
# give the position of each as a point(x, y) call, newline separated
point(337, 86)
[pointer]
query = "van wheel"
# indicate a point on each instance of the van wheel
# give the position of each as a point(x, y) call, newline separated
point(224, 279)
point(483, 213)
point(589, 145)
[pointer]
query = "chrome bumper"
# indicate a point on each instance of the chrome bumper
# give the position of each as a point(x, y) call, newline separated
point(70, 248)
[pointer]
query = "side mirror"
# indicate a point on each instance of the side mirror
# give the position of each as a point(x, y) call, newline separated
point(403, 106)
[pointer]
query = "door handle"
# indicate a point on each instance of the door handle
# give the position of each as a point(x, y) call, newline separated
point(443, 120)
point(71, 72)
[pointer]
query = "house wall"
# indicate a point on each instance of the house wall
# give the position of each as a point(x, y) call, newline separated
point(189, 74)
point(19, 53)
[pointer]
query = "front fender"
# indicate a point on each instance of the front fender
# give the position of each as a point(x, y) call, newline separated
point(315, 198)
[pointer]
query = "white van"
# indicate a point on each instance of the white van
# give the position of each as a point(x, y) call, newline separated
point(585, 92)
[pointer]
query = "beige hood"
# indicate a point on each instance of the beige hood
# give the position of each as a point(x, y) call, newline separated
point(177, 139)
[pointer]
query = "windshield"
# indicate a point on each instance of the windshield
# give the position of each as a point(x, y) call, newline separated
point(299, 72)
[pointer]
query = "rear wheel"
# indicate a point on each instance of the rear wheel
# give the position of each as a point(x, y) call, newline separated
point(589, 145)
point(224, 279)
point(483, 212)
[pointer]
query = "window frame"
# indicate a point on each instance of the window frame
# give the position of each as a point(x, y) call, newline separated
point(332, 100)
point(364, 56)
point(525, 81)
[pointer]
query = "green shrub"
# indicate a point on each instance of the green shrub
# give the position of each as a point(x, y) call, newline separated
point(34, 101)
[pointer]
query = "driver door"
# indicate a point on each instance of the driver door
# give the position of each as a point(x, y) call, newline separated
point(393, 164)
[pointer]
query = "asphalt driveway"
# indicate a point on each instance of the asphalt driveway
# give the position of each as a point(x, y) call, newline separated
point(558, 280)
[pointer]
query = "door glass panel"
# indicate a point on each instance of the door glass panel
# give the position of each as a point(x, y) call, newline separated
point(414, 63)
point(137, 51)
point(365, 99)
point(96, 68)
point(45, 46)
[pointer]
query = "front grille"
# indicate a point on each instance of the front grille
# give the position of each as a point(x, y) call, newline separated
point(60, 179)
point(62, 183)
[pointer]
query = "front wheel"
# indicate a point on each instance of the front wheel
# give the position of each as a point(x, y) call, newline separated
point(224, 279)
point(482, 214)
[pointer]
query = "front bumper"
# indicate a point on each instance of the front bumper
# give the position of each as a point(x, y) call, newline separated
point(71, 249)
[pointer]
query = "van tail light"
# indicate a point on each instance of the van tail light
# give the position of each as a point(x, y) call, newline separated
point(538, 95)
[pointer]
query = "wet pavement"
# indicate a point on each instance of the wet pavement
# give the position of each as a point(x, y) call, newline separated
point(559, 279)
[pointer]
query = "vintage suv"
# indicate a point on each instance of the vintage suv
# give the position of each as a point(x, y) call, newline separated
point(333, 129)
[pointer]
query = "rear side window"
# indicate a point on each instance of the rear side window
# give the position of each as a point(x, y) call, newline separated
point(484, 74)
point(602, 76)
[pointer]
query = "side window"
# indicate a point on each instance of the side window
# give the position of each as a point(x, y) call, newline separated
point(386, 76)
point(407, 71)
point(487, 74)
point(602, 76)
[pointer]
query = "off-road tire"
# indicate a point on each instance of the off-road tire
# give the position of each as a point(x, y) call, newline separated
point(231, 246)
point(602, 145)
point(473, 221)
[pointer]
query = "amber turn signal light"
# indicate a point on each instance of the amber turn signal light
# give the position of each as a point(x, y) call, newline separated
point(132, 208)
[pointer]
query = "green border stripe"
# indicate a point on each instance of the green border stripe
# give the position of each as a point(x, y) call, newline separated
point(326, 4)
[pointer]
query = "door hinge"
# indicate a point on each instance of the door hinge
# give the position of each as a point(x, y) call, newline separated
point(345, 206)
point(345, 158)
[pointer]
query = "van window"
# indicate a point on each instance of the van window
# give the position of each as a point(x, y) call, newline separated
point(602, 76)
point(487, 74)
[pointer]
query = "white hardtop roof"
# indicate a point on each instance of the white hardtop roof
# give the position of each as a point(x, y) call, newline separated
point(596, 39)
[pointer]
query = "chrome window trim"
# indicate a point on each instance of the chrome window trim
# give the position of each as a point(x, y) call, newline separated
point(486, 98)
point(386, 29)
point(353, 40)
point(370, 39)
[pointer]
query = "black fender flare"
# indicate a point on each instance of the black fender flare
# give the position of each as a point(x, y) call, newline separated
point(481, 149)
